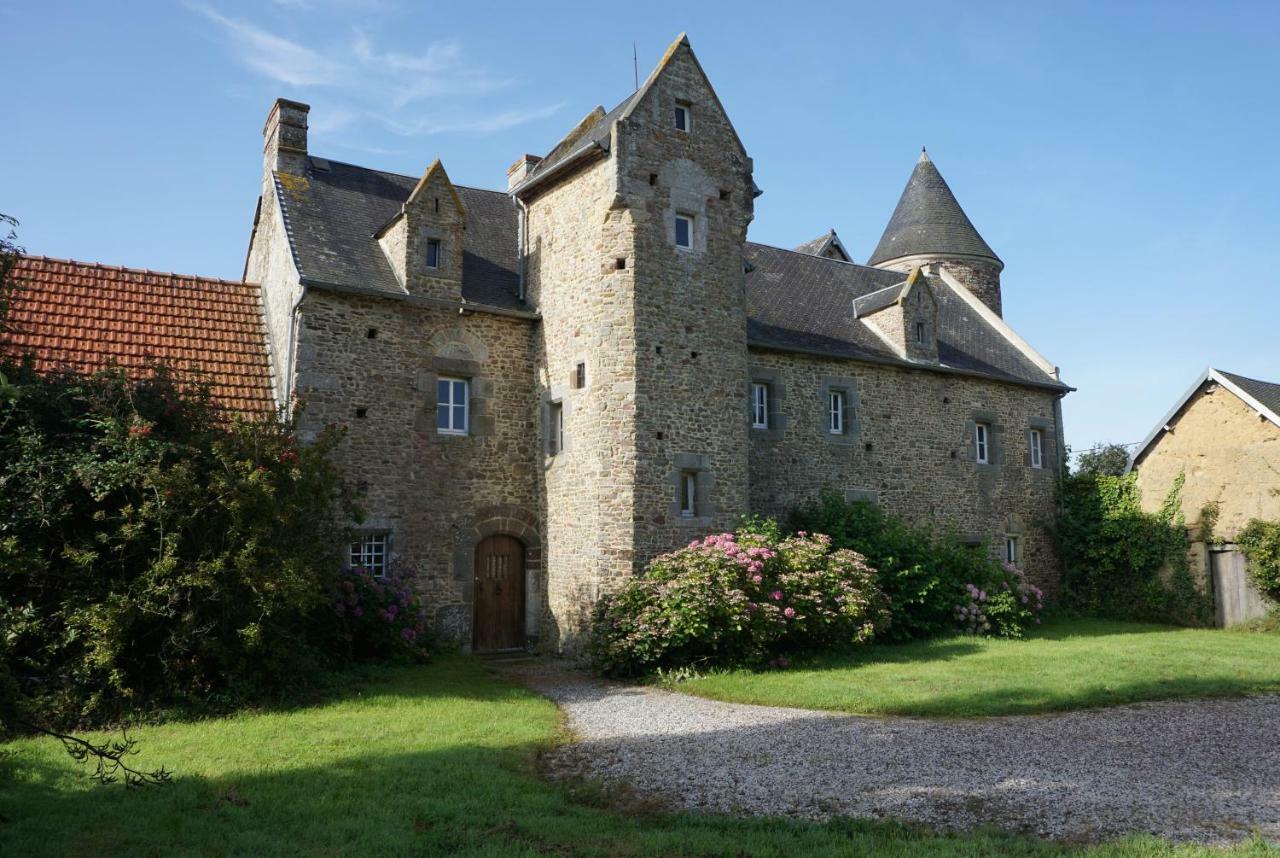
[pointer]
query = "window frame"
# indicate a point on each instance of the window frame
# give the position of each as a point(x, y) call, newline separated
point(759, 405)
point(1011, 550)
point(451, 405)
point(555, 428)
point(982, 443)
point(688, 219)
point(920, 332)
point(835, 412)
point(1036, 445)
point(682, 111)
point(688, 494)
point(433, 244)
point(368, 545)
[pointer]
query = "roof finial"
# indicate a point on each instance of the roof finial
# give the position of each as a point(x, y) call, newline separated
point(924, 154)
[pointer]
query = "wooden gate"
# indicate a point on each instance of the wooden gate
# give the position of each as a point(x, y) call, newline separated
point(1235, 598)
point(499, 594)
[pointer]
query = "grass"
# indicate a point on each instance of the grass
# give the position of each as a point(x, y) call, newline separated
point(1065, 665)
point(436, 760)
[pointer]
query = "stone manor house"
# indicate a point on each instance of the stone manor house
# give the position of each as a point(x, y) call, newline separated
point(547, 386)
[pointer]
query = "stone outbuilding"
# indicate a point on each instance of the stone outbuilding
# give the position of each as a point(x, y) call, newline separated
point(1223, 436)
point(548, 385)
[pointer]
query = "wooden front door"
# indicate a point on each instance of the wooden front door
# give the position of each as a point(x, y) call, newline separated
point(499, 594)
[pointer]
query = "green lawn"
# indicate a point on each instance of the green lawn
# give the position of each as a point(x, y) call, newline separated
point(426, 761)
point(1065, 665)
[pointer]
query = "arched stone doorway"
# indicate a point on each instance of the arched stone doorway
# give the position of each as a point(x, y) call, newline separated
point(499, 594)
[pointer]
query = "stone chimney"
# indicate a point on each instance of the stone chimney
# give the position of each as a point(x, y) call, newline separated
point(520, 170)
point(284, 137)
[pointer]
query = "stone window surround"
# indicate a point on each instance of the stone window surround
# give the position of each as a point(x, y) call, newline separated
point(687, 202)
point(1047, 452)
point(375, 527)
point(704, 481)
point(852, 405)
point(480, 422)
point(430, 233)
point(995, 440)
point(772, 379)
point(557, 394)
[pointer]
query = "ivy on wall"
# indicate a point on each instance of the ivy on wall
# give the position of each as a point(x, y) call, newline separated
point(1260, 541)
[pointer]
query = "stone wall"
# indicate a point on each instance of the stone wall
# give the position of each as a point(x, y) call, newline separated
point(908, 444)
point(436, 494)
point(1229, 454)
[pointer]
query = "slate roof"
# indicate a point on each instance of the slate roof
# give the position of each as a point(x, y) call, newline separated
point(332, 216)
point(928, 219)
point(1266, 393)
point(83, 316)
point(820, 245)
point(796, 301)
point(594, 136)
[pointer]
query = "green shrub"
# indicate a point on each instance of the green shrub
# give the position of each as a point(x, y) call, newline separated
point(736, 599)
point(1260, 541)
point(152, 553)
point(928, 579)
point(1122, 562)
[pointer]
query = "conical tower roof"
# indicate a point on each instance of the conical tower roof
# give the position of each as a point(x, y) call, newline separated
point(928, 220)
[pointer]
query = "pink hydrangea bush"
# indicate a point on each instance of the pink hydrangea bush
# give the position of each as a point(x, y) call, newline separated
point(381, 617)
point(1004, 608)
point(737, 598)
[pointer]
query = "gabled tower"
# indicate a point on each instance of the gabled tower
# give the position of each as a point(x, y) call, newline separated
point(929, 227)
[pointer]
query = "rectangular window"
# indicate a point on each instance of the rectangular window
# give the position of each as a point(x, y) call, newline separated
point(759, 406)
point(981, 443)
point(920, 333)
point(835, 413)
point(580, 376)
point(555, 428)
point(1037, 449)
point(1011, 550)
point(451, 406)
point(682, 118)
point(684, 231)
point(370, 552)
point(433, 253)
point(688, 494)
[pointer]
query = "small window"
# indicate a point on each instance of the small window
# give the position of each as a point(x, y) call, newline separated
point(759, 406)
point(684, 231)
point(920, 333)
point(433, 253)
point(835, 412)
point(682, 117)
point(580, 376)
point(688, 494)
point(1011, 550)
point(555, 429)
point(370, 552)
point(451, 406)
point(982, 443)
point(1037, 448)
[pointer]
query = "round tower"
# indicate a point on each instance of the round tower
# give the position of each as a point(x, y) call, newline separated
point(928, 226)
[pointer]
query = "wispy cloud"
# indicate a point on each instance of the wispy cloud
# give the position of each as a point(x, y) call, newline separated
point(368, 82)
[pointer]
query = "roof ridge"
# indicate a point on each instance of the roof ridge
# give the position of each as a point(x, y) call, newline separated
point(1245, 377)
point(104, 266)
point(406, 175)
point(822, 258)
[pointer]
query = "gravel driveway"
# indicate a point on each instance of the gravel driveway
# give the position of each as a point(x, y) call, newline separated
point(1203, 770)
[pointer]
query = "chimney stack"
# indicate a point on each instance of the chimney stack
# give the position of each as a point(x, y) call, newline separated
point(285, 138)
point(520, 170)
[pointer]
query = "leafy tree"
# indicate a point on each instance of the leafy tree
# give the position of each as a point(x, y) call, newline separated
point(1108, 460)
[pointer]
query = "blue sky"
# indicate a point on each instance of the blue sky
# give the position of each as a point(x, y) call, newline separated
point(1117, 156)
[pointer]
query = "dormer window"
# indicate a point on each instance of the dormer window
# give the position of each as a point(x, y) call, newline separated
point(684, 231)
point(682, 117)
point(433, 253)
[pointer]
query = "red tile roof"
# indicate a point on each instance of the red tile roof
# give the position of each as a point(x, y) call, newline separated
point(84, 316)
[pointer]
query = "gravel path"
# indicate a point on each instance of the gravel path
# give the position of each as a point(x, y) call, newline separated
point(1205, 770)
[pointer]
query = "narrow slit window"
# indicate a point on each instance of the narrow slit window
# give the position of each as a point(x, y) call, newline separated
point(433, 253)
point(982, 443)
point(920, 333)
point(835, 412)
point(759, 406)
point(688, 494)
point(555, 428)
point(370, 552)
point(1037, 448)
point(682, 118)
point(684, 231)
point(580, 376)
point(1011, 550)
point(451, 406)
